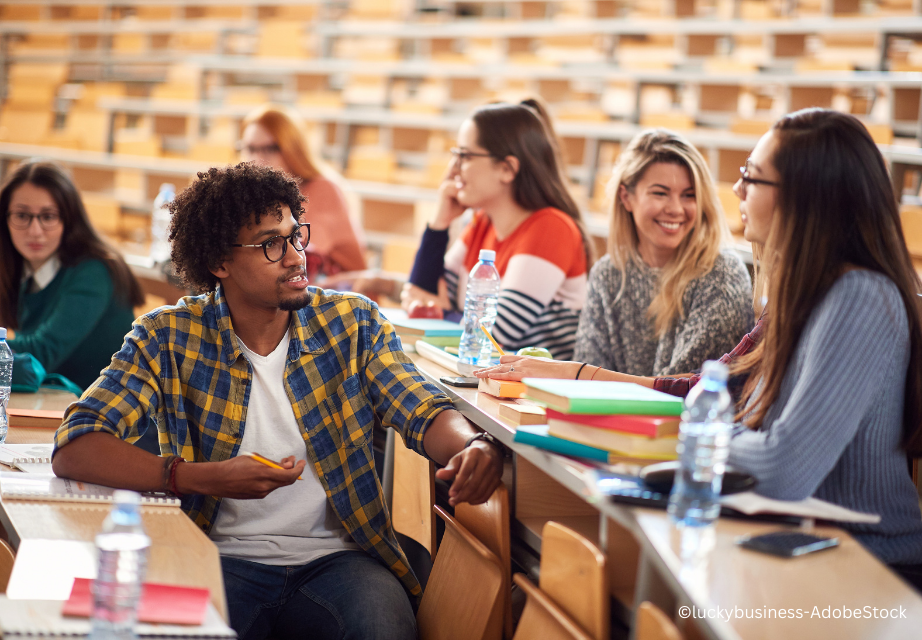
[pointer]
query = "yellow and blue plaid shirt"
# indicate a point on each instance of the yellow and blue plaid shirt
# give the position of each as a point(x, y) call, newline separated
point(182, 368)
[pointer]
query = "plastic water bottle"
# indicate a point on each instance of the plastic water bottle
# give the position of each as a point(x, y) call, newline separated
point(475, 349)
point(6, 379)
point(160, 224)
point(704, 444)
point(6, 368)
point(122, 546)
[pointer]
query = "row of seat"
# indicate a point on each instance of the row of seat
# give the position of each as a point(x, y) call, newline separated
point(468, 594)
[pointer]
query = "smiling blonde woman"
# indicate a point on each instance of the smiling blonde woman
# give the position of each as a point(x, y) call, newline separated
point(669, 294)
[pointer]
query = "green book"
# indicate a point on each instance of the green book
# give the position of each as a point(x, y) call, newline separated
point(602, 397)
point(537, 436)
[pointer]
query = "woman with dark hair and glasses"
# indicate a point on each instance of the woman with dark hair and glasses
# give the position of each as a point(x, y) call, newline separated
point(67, 293)
point(507, 168)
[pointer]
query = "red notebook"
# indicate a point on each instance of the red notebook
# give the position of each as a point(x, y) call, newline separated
point(650, 426)
point(160, 603)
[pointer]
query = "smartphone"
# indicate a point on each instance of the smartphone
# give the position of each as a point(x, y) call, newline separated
point(460, 381)
point(787, 544)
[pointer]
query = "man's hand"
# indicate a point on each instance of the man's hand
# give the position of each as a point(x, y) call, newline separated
point(476, 471)
point(242, 477)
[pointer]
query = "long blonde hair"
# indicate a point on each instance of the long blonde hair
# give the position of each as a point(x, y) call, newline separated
point(285, 126)
point(698, 251)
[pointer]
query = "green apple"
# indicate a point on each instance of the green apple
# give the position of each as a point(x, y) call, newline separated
point(538, 352)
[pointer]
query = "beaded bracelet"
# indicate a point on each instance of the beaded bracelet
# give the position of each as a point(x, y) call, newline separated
point(167, 465)
point(580, 371)
point(173, 464)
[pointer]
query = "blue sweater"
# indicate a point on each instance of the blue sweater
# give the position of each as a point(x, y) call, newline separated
point(834, 433)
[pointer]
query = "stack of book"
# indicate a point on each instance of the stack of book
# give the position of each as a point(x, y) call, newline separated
point(604, 421)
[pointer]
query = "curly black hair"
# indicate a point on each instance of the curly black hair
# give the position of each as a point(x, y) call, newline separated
point(207, 216)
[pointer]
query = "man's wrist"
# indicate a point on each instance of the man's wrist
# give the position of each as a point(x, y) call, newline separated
point(488, 439)
point(190, 479)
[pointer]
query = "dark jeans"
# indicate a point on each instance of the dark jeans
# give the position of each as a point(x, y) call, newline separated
point(343, 595)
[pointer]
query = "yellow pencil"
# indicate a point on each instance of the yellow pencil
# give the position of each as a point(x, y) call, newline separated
point(266, 461)
point(495, 344)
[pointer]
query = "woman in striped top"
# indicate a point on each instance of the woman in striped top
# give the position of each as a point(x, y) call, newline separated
point(507, 168)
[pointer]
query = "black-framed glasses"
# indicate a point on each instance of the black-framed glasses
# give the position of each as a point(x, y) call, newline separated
point(276, 246)
point(22, 220)
point(464, 154)
point(258, 150)
point(744, 176)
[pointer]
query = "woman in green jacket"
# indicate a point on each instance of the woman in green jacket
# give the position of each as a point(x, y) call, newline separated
point(68, 295)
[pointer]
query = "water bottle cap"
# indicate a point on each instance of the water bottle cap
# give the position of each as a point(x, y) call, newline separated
point(2, 333)
point(168, 186)
point(487, 255)
point(122, 497)
point(715, 370)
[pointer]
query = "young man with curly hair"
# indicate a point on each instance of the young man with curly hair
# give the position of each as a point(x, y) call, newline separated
point(263, 362)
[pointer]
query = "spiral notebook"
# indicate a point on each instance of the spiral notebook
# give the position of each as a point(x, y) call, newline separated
point(42, 619)
point(30, 458)
point(48, 487)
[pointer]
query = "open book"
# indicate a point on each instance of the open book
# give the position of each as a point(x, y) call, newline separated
point(43, 619)
point(31, 458)
point(752, 503)
point(48, 487)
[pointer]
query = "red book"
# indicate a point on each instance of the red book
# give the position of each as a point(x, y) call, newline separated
point(160, 603)
point(650, 426)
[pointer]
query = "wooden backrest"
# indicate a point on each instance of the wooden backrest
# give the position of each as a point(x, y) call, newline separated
point(650, 623)
point(541, 618)
point(414, 496)
point(462, 599)
point(7, 557)
point(489, 523)
point(573, 575)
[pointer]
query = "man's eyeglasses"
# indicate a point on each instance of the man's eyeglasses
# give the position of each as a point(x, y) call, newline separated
point(22, 220)
point(744, 176)
point(258, 150)
point(276, 246)
point(464, 155)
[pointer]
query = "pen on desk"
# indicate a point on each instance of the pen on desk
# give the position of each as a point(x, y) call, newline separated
point(266, 461)
point(495, 344)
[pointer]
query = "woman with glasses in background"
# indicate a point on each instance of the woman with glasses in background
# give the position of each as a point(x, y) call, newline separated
point(68, 295)
point(507, 168)
point(272, 136)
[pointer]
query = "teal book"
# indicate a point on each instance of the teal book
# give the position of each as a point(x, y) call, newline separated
point(424, 327)
point(537, 436)
point(602, 397)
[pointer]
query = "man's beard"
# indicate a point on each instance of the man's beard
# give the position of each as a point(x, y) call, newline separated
point(293, 304)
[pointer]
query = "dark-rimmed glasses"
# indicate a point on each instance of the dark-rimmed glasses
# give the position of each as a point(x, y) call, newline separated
point(464, 155)
point(22, 220)
point(744, 176)
point(276, 246)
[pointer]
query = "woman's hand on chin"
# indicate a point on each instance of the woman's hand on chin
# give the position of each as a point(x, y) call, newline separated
point(518, 367)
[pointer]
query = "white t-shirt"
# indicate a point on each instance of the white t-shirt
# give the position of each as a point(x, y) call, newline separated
point(293, 525)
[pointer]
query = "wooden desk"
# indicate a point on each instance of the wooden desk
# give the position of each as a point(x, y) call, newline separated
point(55, 540)
point(64, 532)
point(719, 575)
point(50, 399)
